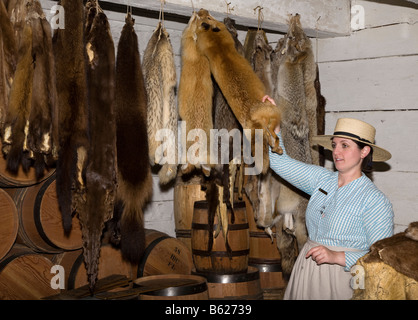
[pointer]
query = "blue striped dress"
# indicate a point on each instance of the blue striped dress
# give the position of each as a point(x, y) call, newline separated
point(353, 216)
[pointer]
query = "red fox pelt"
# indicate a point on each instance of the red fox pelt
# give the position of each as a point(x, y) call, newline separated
point(101, 164)
point(195, 95)
point(134, 173)
point(160, 82)
point(240, 86)
point(72, 114)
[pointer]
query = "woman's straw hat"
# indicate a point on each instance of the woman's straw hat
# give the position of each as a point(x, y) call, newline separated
point(355, 130)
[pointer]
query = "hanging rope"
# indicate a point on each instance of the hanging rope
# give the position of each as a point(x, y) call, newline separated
point(260, 16)
point(161, 17)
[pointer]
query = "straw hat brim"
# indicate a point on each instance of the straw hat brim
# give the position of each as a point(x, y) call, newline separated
point(379, 154)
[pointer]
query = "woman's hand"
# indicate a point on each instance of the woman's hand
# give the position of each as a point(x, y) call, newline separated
point(321, 255)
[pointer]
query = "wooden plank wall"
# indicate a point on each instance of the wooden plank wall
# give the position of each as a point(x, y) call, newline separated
point(373, 76)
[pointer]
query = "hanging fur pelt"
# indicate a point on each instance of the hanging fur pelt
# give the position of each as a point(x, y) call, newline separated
point(221, 183)
point(101, 164)
point(20, 101)
point(8, 60)
point(43, 135)
point(134, 172)
point(241, 87)
point(72, 114)
point(160, 83)
point(294, 94)
point(195, 98)
point(34, 143)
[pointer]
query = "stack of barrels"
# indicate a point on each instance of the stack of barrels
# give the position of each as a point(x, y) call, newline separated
point(251, 269)
point(38, 260)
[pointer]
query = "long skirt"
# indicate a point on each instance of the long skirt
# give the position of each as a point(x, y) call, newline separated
point(310, 281)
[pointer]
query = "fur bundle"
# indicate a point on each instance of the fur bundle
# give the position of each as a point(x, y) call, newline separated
point(8, 57)
point(241, 87)
point(71, 84)
point(160, 75)
point(133, 168)
point(101, 164)
point(30, 132)
point(195, 96)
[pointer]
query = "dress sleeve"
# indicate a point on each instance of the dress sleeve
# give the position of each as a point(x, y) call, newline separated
point(378, 225)
point(301, 175)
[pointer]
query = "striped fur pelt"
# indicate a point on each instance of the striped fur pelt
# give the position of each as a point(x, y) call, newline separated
point(101, 164)
point(133, 167)
point(160, 83)
point(71, 83)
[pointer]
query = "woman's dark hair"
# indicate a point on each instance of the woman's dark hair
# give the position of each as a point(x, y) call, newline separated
point(367, 164)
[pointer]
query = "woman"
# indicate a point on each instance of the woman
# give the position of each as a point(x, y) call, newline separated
point(346, 213)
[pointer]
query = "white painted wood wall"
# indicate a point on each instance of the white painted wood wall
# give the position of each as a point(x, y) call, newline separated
point(372, 75)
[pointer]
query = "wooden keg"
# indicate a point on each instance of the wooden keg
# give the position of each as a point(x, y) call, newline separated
point(110, 263)
point(185, 196)
point(264, 253)
point(9, 223)
point(40, 220)
point(164, 255)
point(239, 286)
point(21, 179)
point(218, 260)
point(25, 275)
point(174, 287)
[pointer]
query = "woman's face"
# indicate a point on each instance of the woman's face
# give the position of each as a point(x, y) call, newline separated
point(347, 155)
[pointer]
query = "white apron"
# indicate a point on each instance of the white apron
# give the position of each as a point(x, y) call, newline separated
point(309, 281)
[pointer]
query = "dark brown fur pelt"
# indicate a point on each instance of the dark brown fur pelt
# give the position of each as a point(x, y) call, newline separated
point(160, 83)
point(320, 116)
point(8, 60)
point(20, 100)
point(71, 81)
point(43, 134)
point(134, 173)
point(241, 87)
point(101, 165)
point(195, 96)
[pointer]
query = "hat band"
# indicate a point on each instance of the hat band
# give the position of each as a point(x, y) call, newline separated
point(342, 133)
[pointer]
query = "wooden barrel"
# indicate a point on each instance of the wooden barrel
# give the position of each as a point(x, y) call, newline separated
point(110, 263)
point(164, 255)
point(264, 253)
point(21, 179)
point(25, 275)
point(40, 221)
point(185, 196)
point(9, 223)
point(239, 286)
point(174, 287)
point(218, 260)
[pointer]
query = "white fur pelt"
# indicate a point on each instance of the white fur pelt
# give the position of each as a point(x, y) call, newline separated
point(160, 82)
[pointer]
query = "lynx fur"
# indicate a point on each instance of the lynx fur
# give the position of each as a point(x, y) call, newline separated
point(195, 97)
point(160, 75)
point(241, 87)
